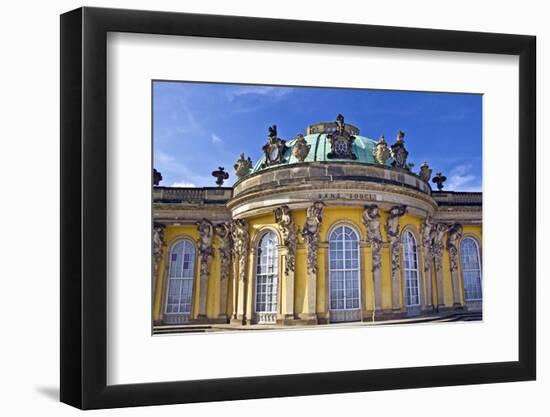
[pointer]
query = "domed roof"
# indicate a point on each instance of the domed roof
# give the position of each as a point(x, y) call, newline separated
point(362, 147)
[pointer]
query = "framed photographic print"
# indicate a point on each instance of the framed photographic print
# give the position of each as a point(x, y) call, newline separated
point(258, 208)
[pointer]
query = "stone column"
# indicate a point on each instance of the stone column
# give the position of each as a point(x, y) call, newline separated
point(428, 261)
point(310, 234)
point(439, 232)
point(223, 231)
point(250, 283)
point(287, 299)
point(206, 253)
point(453, 237)
point(392, 233)
point(241, 290)
point(366, 272)
point(427, 234)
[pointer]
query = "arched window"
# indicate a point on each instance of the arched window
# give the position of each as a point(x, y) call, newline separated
point(344, 271)
point(471, 270)
point(267, 277)
point(180, 278)
point(410, 270)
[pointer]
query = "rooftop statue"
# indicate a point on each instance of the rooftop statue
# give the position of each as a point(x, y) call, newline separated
point(242, 166)
point(381, 152)
point(399, 153)
point(425, 172)
point(272, 131)
point(439, 179)
point(157, 177)
point(274, 149)
point(301, 148)
point(220, 175)
point(341, 141)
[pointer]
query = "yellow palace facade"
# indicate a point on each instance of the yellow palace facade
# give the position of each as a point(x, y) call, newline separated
point(327, 227)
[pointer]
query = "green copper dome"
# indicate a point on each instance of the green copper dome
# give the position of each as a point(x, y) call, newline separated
point(362, 147)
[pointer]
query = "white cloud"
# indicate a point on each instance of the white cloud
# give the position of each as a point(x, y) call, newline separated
point(183, 184)
point(461, 179)
point(216, 139)
point(273, 92)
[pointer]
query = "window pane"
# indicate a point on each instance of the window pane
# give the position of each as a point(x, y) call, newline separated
point(344, 269)
point(410, 269)
point(471, 270)
point(267, 277)
point(180, 277)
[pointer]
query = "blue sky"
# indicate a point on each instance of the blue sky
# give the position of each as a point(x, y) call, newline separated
point(200, 126)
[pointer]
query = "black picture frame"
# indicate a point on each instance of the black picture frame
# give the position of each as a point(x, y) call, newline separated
point(84, 207)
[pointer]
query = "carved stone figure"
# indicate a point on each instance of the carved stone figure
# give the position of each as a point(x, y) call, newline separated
point(381, 152)
point(220, 175)
point(310, 233)
point(242, 166)
point(340, 125)
point(392, 232)
point(283, 217)
point(301, 148)
point(371, 219)
point(427, 235)
point(223, 232)
point(399, 153)
point(158, 245)
point(425, 172)
point(274, 149)
point(206, 250)
point(240, 235)
point(454, 235)
point(438, 234)
point(272, 131)
point(341, 141)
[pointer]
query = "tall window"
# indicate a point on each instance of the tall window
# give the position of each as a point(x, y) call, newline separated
point(344, 269)
point(471, 271)
point(267, 277)
point(180, 278)
point(410, 269)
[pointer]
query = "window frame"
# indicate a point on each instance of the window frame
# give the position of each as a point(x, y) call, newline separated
point(479, 269)
point(276, 283)
point(406, 232)
point(329, 269)
point(168, 261)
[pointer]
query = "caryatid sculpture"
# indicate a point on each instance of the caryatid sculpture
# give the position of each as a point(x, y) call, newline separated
point(206, 249)
point(223, 232)
point(158, 245)
point(427, 232)
point(240, 235)
point(439, 233)
point(283, 217)
point(310, 233)
point(454, 234)
point(371, 219)
point(392, 232)
point(206, 253)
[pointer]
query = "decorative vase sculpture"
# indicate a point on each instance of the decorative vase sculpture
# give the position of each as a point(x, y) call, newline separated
point(301, 148)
